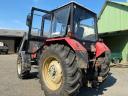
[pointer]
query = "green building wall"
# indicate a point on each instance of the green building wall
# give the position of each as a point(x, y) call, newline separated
point(125, 52)
point(113, 19)
point(118, 44)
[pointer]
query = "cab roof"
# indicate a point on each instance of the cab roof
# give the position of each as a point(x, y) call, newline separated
point(73, 3)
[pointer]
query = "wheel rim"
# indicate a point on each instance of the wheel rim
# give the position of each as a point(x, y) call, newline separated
point(52, 73)
point(19, 66)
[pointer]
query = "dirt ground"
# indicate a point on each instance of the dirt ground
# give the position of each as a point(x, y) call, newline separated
point(115, 85)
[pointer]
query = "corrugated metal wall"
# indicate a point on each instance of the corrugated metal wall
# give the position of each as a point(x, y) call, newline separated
point(114, 18)
point(118, 45)
point(125, 50)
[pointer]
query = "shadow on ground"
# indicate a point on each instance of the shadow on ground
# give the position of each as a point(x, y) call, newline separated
point(32, 75)
point(85, 91)
point(110, 81)
point(120, 66)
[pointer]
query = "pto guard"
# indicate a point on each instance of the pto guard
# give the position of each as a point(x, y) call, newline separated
point(101, 48)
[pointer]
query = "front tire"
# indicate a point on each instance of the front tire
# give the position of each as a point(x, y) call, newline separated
point(23, 71)
point(59, 74)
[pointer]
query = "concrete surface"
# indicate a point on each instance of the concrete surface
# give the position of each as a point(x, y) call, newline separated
point(115, 85)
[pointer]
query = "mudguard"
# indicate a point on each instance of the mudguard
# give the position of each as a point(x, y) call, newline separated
point(81, 52)
point(101, 48)
point(76, 46)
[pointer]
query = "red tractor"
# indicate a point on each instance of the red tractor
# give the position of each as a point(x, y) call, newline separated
point(66, 48)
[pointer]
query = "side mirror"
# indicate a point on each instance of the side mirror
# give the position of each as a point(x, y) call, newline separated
point(28, 20)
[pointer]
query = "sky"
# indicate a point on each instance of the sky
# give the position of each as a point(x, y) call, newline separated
point(13, 12)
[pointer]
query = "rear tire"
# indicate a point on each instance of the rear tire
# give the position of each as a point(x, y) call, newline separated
point(70, 75)
point(23, 71)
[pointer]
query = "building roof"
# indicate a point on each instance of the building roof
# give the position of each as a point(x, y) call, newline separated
point(123, 3)
point(113, 2)
point(11, 33)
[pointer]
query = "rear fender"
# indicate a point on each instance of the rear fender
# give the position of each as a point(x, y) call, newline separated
point(79, 49)
point(101, 48)
point(75, 45)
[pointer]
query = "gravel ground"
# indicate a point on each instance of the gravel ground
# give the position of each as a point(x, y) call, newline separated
point(115, 85)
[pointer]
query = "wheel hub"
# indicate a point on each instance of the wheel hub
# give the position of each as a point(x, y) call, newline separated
point(52, 73)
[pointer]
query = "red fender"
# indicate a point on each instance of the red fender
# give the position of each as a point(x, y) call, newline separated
point(101, 48)
point(76, 46)
point(73, 43)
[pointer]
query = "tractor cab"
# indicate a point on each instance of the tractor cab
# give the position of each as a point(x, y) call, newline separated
point(71, 20)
